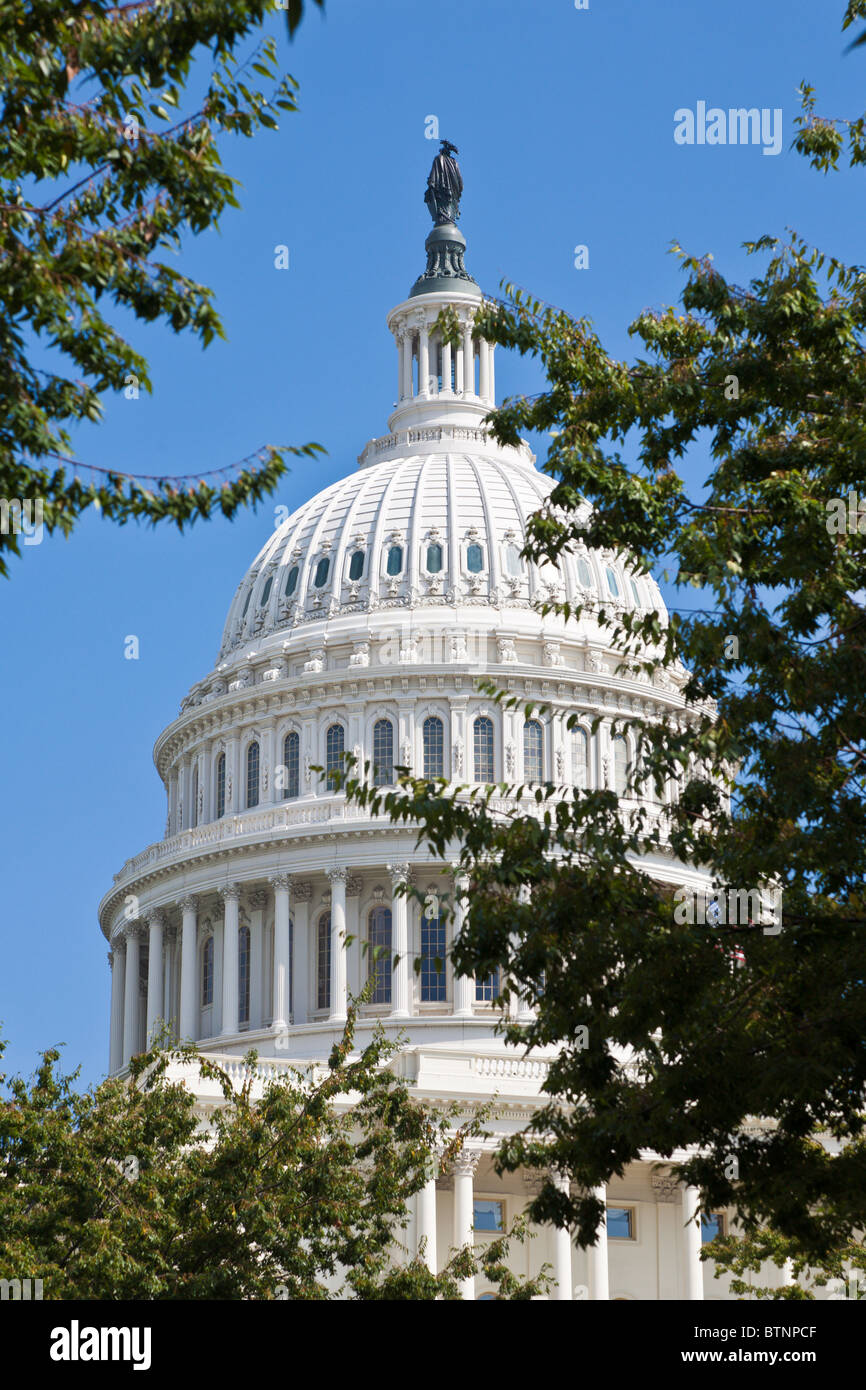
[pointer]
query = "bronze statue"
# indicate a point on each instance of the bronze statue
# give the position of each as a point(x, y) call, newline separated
point(444, 186)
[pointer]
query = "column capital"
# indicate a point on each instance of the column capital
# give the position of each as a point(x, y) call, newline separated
point(230, 892)
point(189, 903)
point(460, 877)
point(466, 1162)
point(400, 873)
point(336, 875)
point(134, 931)
point(278, 881)
point(155, 917)
point(110, 955)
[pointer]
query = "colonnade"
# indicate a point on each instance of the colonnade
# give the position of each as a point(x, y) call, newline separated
point(420, 342)
point(563, 1286)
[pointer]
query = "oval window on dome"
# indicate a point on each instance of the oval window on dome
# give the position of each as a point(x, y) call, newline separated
point(584, 573)
point(636, 591)
point(394, 563)
point(474, 558)
point(434, 558)
point(321, 575)
point(612, 582)
point(292, 581)
point(513, 562)
point(266, 591)
point(356, 564)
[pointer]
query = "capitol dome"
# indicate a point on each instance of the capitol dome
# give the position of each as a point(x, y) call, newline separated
point(363, 625)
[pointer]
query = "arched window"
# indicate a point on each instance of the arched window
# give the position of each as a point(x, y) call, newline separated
point(194, 808)
point(584, 573)
point(636, 592)
point(244, 975)
point(253, 775)
point(394, 563)
point(581, 758)
point(482, 733)
point(620, 765)
point(513, 562)
point(292, 581)
point(321, 576)
point(533, 751)
point(379, 943)
point(266, 591)
point(433, 981)
point(434, 558)
point(335, 740)
point(612, 583)
point(474, 558)
point(221, 785)
point(487, 989)
point(291, 762)
point(434, 747)
point(207, 973)
point(383, 753)
point(323, 962)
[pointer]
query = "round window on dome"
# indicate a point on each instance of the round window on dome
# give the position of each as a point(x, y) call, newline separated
point(266, 591)
point(321, 576)
point(356, 564)
point(434, 558)
point(612, 582)
point(394, 563)
point(292, 581)
point(474, 558)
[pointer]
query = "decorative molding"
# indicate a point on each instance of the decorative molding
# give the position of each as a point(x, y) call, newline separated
point(189, 903)
point(302, 892)
point(282, 880)
point(230, 892)
point(666, 1187)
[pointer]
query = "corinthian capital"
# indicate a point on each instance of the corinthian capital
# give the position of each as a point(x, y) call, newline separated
point(230, 892)
point(189, 903)
point(399, 872)
point(466, 1162)
point(278, 881)
point(337, 875)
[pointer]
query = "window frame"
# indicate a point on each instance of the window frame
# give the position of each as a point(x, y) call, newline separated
point(631, 1208)
point(253, 755)
point(430, 719)
point(380, 968)
point(483, 781)
point(288, 794)
point(220, 786)
point(323, 961)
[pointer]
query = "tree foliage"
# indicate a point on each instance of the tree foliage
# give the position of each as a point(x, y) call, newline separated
point(742, 1044)
point(102, 172)
point(120, 1193)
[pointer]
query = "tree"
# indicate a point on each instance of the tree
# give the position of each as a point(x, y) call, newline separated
point(100, 172)
point(673, 1033)
point(117, 1193)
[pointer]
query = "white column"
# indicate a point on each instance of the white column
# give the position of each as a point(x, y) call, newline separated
point(301, 894)
point(561, 1248)
point(491, 373)
point(599, 1284)
point(281, 884)
point(423, 361)
point(446, 367)
point(468, 361)
point(130, 995)
point(115, 1043)
point(464, 985)
point(400, 942)
point(464, 1170)
point(168, 979)
point(271, 795)
point(483, 369)
point(694, 1270)
point(459, 370)
point(339, 1003)
point(189, 969)
point(426, 1222)
point(258, 903)
point(230, 895)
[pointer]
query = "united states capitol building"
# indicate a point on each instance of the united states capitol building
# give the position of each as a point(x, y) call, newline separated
point(363, 626)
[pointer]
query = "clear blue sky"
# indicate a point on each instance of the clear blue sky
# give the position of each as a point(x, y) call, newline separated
point(564, 120)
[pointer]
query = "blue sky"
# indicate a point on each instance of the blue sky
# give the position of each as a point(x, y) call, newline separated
point(564, 119)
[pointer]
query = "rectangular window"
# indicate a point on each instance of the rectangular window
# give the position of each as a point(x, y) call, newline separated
point(712, 1225)
point(487, 989)
point(432, 960)
point(487, 1214)
point(620, 1223)
point(323, 962)
point(291, 761)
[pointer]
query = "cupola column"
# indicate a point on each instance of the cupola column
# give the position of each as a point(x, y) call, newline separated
point(188, 969)
point(155, 923)
point(339, 1003)
point(231, 898)
point(483, 369)
point(446, 367)
point(468, 360)
point(281, 884)
point(423, 361)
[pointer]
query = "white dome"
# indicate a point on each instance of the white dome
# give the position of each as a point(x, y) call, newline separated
point(374, 541)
